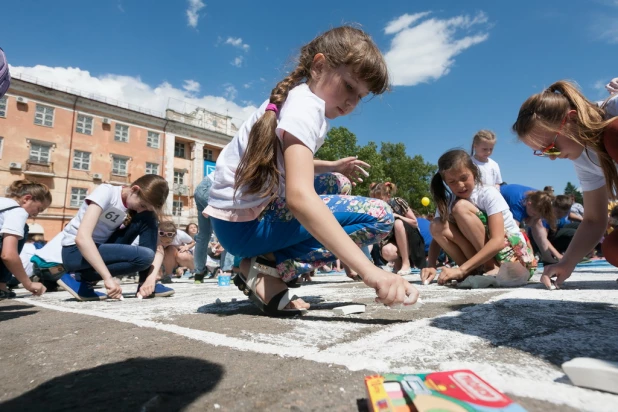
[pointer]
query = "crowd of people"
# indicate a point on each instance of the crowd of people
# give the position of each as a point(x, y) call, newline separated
point(278, 213)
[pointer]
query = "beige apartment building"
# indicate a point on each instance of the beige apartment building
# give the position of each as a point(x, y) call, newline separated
point(73, 141)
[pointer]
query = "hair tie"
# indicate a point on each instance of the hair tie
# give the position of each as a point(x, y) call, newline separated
point(271, 107)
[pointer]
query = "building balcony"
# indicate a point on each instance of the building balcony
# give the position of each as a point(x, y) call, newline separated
point(38, 168)
point(117, 179)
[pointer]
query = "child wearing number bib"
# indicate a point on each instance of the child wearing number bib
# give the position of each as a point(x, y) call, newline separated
point(96, 243)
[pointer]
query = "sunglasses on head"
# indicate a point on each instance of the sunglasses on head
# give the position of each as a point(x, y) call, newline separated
point(166, 234)
point(551, 149)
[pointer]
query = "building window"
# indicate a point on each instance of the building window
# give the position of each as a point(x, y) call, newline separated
point(84, 124)
point(207, 154)
point(179, 149)
point(44, 115)
point(81, 160)
point(119, 166)
point(122, 133)
point(3, 101)
point(179, 178)
point(177, 207)
point(39, 153)
point(152, 168)
point(153, 140)
point(78, 195)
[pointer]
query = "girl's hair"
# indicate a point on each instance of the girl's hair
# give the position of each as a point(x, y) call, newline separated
point(563, 203)
point(542, 202)
point(449, 160)
point(482, 135)
point(38, 191)
point(549, 108)
point(382, 190)
point(153, 191)
point(257, 171)
point(189, 225)
point(167, 226)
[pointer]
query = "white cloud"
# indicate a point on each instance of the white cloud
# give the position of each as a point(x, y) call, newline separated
point(237, 42)
point(403, 22)
point(425, 51)
point(133, 90)
point(120, 7)
point(247, 85)
point(230, 92)
point(192, 12)
point(191, 86)
point(237, 61)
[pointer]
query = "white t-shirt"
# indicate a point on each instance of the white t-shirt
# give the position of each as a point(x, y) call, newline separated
point(490, 171)
point(587, 166)
point(108, 197)
point(52, 251)
point(182, 238)
point(489, 200)
point(302, 115)
point(12, 221)
point(26, 253)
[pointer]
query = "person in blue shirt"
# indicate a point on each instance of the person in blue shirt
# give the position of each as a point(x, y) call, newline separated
point(532, 207)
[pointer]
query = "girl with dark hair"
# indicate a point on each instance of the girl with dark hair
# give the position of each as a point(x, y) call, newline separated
point(473, 223)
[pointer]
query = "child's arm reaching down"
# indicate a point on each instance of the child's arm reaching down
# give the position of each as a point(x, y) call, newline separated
point(316, 217)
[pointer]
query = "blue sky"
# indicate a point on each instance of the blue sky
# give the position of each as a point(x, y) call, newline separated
point(458, 66)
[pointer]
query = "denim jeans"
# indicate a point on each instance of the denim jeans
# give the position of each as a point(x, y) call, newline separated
point(227, 261)
point(366, 221)
point(5, 273)
point(204, 225)
point(120, 257)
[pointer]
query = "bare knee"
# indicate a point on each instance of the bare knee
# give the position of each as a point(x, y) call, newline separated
point(463, 207)
point(389, 252)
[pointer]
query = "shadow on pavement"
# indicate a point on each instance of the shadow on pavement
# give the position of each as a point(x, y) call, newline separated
point(138, 384)
point(550, 329)
point(8, 312)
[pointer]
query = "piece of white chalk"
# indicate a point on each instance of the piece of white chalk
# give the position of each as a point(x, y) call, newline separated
point(349, 309)
point(593, 373)
point(139, 297)
point(425, 282)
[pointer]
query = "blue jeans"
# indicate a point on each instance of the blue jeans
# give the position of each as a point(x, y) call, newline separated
point(120, 257)
point(227, 261)
point(366, 221)
point(5, 273)
point(204, 226)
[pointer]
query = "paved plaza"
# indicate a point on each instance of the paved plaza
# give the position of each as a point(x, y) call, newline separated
point(208, 348)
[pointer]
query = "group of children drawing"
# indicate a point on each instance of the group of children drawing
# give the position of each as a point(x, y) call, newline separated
point(284, 212)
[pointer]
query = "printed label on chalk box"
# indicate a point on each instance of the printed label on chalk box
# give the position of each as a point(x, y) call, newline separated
point(112, 217)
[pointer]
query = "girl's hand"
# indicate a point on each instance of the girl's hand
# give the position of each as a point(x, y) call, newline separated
point(183, 249)
point(114, 291)
point(148, 287)
point(561, 271)
point(352, 168)
point(391, 289)
point(36, 288)
point(449, 274)
point(427, 275)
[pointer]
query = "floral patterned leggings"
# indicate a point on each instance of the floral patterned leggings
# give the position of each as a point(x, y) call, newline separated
point(365, 220)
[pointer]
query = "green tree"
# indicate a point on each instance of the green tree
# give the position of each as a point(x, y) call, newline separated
point(389, 162)
point(570, 189)
point(339, 143)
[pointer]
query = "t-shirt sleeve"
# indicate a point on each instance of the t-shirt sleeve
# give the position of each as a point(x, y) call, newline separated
point(492, 201)
point(303, 117)
point(182, 238)
point(102, 196)
point(14, 222)
point(590, 176)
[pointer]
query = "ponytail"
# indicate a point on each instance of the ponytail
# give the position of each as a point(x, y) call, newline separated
point(542, 201)
point(440, 196)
